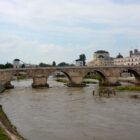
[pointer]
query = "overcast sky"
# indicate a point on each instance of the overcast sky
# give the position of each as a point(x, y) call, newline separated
point(60, 30)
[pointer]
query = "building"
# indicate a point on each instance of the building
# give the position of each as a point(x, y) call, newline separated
point(119, 60)
point(132, 60)
point(101, 58)
point(79, 62)
point(16, 63)
point(134, 53)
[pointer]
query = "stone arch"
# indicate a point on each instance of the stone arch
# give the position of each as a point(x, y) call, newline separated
point(103, 77)
point(101, 74)
point(68, 76)
point(128, 70)
point(18, 75)
point(134, 72)
point(65, 73)
point(61, 71)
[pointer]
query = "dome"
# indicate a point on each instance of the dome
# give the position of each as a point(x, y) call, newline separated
point(101, 51)
point(16, 60)
point(119, 56)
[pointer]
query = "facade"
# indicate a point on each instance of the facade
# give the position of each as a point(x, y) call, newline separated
point(16, 63)
point(101, 58)
point(79, 62)
point(132, 60)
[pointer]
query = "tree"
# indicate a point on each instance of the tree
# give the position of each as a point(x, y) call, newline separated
point(44, 65)
point(2, 66)
point(8, 65)
point(83, 58)
point(62, 64)
point(53, 63)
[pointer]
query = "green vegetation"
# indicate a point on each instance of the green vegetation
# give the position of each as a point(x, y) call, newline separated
point(62, 80)
point(85, 81)
point(128, 88)
point(90, 81)
point(96, 76)
point(62, 64)
point(6, 66)
point(21, 77)
point(3, 135)
point(82, 57)
point(6, 122)
point(53, 63)
point(44, 65)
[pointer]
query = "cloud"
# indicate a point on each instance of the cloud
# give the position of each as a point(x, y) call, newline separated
point(35, 51)
point(48, 30)
point(126, 1)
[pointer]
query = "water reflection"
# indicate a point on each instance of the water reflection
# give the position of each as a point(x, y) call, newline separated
point(62, 113)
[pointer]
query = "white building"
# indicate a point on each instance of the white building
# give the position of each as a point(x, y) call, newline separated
point(79, 62)
point(132, 60)
point(16, 63)
point(101, 58)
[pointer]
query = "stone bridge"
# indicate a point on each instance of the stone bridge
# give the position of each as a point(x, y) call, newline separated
point(109, 74)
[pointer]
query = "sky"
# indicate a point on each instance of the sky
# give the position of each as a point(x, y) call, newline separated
point(60, 30)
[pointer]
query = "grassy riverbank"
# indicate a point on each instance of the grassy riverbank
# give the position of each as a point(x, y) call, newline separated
point(3, 135)
point(7, 129)
point(128, 88)
point(90, 81)
point(85, 81)
point(62, 80)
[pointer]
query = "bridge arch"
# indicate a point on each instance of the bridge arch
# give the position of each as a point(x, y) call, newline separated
point(58, 75)
point(97, 74)
point(132, 73)
point(129, 70)
point(102, 77)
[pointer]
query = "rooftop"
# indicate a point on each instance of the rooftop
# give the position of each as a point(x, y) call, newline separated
point(101, 51)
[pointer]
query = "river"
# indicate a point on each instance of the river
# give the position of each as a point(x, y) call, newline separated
point(63, 113)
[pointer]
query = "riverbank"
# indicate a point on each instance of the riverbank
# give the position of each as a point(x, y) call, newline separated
point(128, 88)
point(85, 81)
point(3, 135)
point(7, 130)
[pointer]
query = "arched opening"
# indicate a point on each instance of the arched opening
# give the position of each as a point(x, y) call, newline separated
point(129, 76)
point(58, 79)
point(94, 77)
point(21, 79)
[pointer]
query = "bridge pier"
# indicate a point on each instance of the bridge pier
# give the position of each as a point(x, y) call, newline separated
point(76, 81)
point(39, 81)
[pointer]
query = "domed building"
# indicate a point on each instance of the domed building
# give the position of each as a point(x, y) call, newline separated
point(101, 54)
point(16, 63)
point(119, 56)
point(119, 60)
point(132, 60)
point(101, 58)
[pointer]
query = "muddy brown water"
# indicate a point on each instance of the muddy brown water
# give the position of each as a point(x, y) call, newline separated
point(62, 113)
